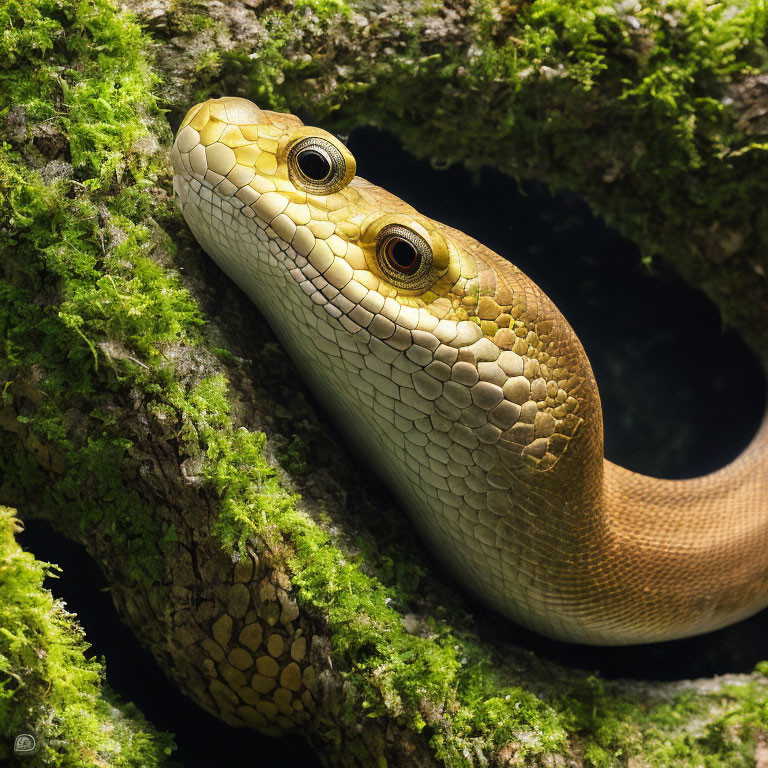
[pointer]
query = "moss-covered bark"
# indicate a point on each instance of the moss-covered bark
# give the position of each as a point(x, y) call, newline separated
point(265, 572)
point(48, 688)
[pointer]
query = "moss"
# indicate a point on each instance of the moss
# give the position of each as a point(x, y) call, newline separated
point(91, 310)
point(709, 730)
point(112, 312)
point(293, 458)
point(47, 682)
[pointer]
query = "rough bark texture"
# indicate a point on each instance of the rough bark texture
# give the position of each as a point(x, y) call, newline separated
point(138, 434)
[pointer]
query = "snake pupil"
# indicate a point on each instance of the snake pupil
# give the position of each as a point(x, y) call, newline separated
point(314, 164)
point(403, 255)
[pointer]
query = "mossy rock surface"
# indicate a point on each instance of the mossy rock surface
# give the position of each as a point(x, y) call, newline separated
point(148, 412)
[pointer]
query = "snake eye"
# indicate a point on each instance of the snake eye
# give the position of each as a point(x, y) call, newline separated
point(404, 257)
point(316, 166)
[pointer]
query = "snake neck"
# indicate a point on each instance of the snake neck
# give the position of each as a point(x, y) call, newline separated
point(629, 558)
point(473, 399)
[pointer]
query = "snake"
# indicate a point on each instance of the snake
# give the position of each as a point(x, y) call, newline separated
point(463, 388)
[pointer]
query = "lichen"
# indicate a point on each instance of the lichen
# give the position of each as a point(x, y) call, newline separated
point(87, 323)
point(48, 685)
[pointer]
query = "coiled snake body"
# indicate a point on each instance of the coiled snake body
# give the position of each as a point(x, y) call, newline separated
point(469, 393)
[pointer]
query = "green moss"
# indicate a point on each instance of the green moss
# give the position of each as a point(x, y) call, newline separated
point(292, 457)
point(692, 729)
point(83, 243)
point(189, 16)
point(48, 684)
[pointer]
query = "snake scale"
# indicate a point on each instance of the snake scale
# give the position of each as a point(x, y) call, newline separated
point(465, 388)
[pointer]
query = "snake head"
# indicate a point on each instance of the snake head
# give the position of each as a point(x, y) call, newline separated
point(301, 181)
point(364, 241)
point(376, 266)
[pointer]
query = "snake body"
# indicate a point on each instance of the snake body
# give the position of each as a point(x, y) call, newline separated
point(465, 388)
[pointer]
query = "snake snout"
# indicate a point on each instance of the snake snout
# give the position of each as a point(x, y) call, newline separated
point(217, 140)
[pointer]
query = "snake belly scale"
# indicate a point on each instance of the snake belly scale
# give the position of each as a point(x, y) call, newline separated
point(465, 388)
